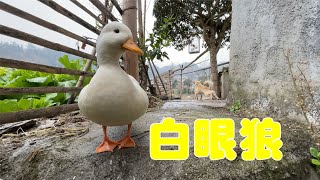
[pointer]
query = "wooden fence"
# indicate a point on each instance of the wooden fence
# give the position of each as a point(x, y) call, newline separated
point(164, 82)
point(13, 63)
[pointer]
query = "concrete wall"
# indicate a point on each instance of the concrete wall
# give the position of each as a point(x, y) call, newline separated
point(259, 73)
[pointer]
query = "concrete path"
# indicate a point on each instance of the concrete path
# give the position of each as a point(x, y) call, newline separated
point(75, 158)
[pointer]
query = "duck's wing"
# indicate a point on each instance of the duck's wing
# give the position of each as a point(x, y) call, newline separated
point(135, 82)
point(82, 99)
point(83, 92)
point(140, 90)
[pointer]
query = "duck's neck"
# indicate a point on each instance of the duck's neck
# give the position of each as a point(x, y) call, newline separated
point(109, 61)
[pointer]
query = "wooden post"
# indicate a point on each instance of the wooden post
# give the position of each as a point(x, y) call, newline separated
point(140, 27)
point(38, 90)
point(154, 78)
point(129, 18)
point(42, 42)
point(160, 78)
point(116, 4)
point(144, 75)
point(144, 17)
point(225, 83)
point(170, 87)
point(151, 88)
point(15, 11)
point(55, 6)
point(146, 71)
point(181, 86)
point(87, 11)
point(104, 16)
point(81, 78)
point(105, 11)
point(11, 117)
point(12, 63)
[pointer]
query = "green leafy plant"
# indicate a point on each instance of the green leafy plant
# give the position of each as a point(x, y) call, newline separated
point(158, 40)
point(315, 157)
point(236, 106)
point(11, 78)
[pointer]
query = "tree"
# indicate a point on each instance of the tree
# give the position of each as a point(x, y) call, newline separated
point(174, 84)
point(153, 45)
point(202, 76)
point(158, 40)
point(209, 18)
point(187, 83)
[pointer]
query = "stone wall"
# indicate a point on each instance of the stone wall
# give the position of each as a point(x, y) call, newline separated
point(259, 73)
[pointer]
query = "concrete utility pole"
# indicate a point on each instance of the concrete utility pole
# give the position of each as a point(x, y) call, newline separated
point(181, 86)
point(129, 18)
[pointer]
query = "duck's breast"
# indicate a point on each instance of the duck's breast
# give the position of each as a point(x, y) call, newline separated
point(113, 98)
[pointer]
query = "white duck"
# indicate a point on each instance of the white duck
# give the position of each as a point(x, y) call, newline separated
point(113, 98)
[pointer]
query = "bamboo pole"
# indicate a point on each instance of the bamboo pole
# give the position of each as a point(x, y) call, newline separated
point(86, 68)
point(144, 58)
point(55, 6)
point(155, 67)
point(142, 41)
point(22, 14)
point(200, 55)
point(116, 4)
point(109, 6)
point(38, 90)
point(11, 117)
point(104, 10)
point(81, 78)
point(154, 78)
point(181, 88)
point(201, 69)
point(88, 11)
point(140, 27)
point(146, 72)
point(103, 15)
point(39, 67)
point(144, 17)
point(42, 42)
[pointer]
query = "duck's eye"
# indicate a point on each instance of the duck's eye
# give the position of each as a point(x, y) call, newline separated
point(116, 30)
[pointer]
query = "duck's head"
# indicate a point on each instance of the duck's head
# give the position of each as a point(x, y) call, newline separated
point(114, 39)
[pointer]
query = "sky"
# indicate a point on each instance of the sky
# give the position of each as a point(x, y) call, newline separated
point(38, 9)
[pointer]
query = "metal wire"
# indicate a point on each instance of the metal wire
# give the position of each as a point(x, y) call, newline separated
point(221, 64)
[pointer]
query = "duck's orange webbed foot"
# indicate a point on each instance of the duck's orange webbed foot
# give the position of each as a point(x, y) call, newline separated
point(127, 141)
point(107, 145)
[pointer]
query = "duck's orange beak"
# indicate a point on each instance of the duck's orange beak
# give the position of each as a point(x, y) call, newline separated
point(131, 46)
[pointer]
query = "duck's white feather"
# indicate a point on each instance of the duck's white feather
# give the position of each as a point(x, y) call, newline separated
point(112, 98)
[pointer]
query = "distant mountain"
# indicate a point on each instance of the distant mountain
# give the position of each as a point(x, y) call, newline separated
point(165, 69)
point(32, 53)
point(162, 69)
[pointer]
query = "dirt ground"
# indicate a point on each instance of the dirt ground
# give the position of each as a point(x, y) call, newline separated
point(63, 147)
